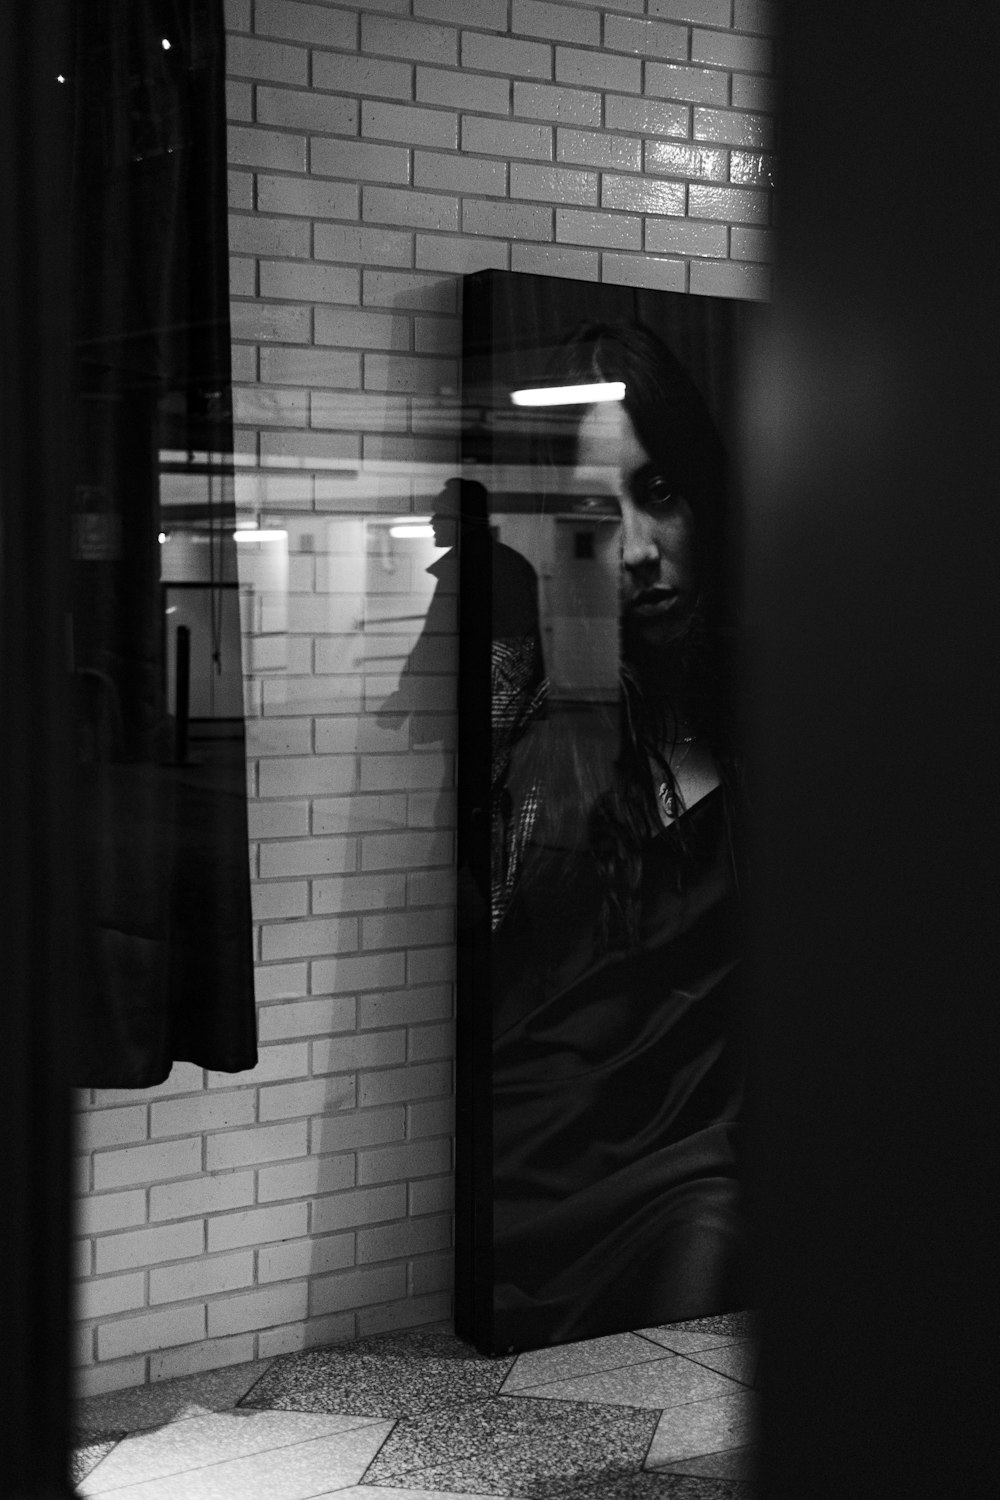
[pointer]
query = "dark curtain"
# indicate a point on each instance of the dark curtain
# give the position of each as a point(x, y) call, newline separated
point(166, 957)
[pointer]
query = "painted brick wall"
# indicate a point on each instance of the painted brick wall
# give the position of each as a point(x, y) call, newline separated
point(377, 152)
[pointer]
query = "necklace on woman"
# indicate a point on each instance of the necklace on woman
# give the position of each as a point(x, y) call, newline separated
point(667, 795)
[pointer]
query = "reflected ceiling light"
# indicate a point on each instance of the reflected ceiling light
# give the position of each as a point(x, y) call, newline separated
point(411, 529)
point(570, 395)
point(249, 534)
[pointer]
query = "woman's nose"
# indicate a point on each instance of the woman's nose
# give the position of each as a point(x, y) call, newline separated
point(639, 549)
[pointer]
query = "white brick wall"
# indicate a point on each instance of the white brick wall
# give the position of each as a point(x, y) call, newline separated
point(376, 152)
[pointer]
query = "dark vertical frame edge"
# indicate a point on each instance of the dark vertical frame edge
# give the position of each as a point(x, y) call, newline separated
point(37, 745)
point(474, 1000)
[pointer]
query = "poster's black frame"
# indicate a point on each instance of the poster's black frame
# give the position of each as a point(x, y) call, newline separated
point(507, 317)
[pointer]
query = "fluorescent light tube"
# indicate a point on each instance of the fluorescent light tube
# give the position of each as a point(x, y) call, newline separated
point(570, 395)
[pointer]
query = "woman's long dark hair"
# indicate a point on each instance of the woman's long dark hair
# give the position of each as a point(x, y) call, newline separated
point(619, 802)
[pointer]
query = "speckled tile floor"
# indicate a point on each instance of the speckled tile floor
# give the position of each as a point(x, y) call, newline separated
point(657, 1414)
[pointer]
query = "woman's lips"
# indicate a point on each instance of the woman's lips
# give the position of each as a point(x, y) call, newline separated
point(653, 602)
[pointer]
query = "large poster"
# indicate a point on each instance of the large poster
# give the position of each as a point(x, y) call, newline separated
point(600, 791)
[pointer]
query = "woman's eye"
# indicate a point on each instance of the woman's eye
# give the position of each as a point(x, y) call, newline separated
point(657, 491)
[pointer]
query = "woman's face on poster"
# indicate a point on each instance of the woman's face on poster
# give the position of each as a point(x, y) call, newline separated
point(658, 586)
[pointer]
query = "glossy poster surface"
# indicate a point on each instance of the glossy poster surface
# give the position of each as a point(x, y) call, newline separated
point(600, 789)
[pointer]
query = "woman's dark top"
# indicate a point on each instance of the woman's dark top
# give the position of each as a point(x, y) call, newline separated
point(616, 1090)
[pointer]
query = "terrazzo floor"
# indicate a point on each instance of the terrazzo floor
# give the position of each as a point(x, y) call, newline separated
point(661, 1412)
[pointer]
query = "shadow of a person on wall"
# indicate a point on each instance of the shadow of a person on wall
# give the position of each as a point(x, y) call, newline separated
point(513, 585)
point(515, 661)
point(435, 644)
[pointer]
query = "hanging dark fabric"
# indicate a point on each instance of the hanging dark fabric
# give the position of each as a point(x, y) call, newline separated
point(163, 868)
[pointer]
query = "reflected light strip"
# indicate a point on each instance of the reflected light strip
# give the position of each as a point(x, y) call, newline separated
point(411, 531)
point(248, 535)
point(569, 395)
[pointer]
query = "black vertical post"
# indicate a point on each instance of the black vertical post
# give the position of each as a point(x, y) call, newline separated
point(474, 1081)
point(182, 693)
point(873, 543)
point(474, 998)
point(36, 801)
